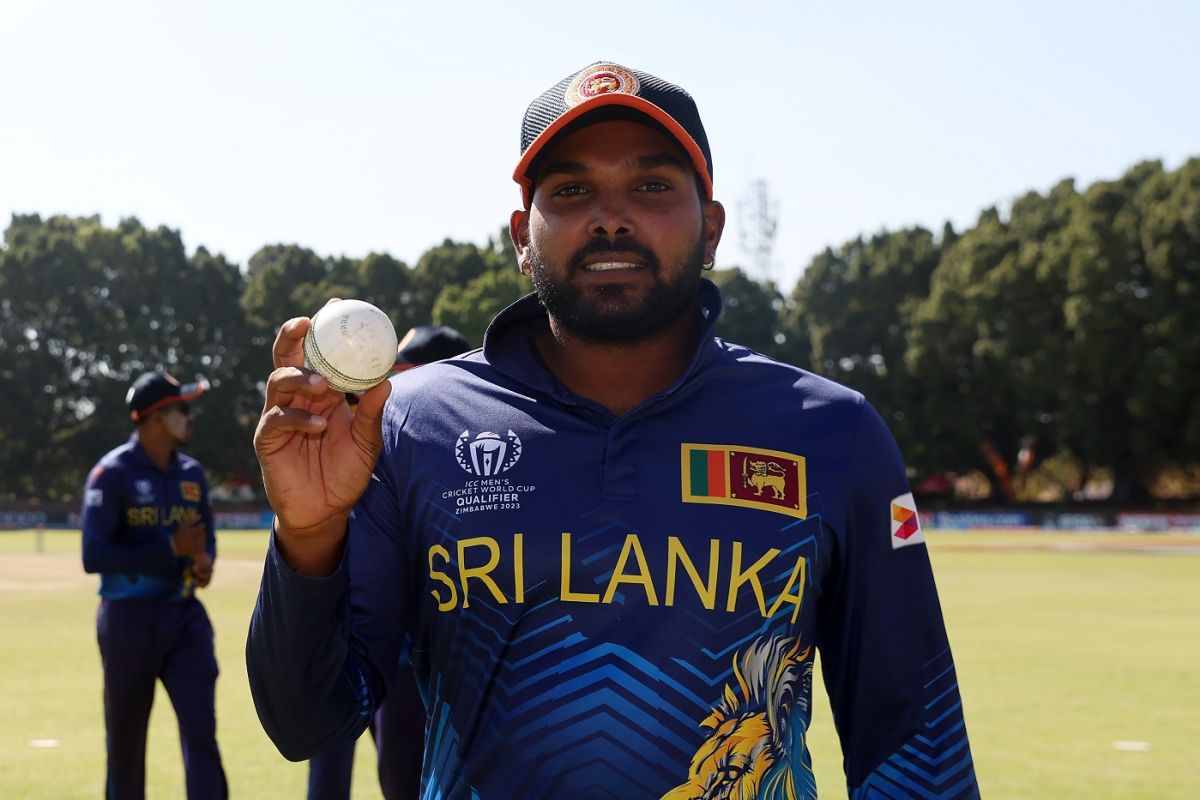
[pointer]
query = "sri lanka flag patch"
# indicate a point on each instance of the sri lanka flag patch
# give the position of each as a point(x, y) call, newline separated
point(190, 491)
point(729, 475)
point(906, 522)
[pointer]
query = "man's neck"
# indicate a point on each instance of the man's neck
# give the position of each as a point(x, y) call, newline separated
point(158, 449)
point(620, 377)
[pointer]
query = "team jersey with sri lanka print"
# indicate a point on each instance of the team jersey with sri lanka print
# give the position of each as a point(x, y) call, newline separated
point(626, 607)
point(130, 509)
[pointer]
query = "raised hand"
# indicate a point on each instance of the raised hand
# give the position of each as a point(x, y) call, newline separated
point(316, 455)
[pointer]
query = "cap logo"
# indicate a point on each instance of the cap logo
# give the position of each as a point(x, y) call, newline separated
point(601, 79)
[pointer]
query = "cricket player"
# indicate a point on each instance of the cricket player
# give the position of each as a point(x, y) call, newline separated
point(614, 542)
point(148, 531)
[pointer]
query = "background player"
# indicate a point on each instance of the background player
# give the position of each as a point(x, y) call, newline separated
point(148, 531)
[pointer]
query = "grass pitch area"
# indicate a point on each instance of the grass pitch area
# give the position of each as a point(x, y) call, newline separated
point(1078, 657)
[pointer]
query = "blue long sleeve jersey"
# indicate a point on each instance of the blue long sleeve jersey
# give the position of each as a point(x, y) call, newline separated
point(625, 607)
point(130, 510)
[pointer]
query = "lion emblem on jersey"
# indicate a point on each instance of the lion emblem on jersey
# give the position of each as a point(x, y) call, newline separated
point(765, 474)
point(754, 742)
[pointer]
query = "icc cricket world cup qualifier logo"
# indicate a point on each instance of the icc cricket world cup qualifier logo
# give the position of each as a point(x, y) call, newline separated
point(487, 455)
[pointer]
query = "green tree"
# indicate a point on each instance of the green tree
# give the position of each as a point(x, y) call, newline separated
point(852, 306)
point(471, 308)
point(450, 264)
point(750, 315)
point(1167, 398)
point(387, 283)
point(285, 281)
point(86, 309)
point(1133, 280)
point(280, 281)
point(987, 347)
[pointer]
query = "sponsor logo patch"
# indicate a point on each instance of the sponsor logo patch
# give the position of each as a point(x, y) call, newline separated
point(729, 475)
point(906, 522)
point(93, 498)
point(190, 490)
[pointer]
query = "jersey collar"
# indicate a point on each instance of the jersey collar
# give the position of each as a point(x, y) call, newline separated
point(142, 458)
point(508, 344)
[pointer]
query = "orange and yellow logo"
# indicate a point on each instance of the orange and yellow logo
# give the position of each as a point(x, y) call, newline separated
point(906, 523)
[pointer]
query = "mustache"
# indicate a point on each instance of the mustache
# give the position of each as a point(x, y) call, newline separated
point(620, 244)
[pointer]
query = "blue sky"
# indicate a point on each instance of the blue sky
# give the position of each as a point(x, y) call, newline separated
point(352, 127)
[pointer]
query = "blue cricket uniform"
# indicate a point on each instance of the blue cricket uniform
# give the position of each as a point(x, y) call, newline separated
point(149, 624)
point(626, 607)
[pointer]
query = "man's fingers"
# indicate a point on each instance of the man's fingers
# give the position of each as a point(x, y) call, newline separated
point(285, 383)
point(279, 421)
point(288, 350)
point(369, 411)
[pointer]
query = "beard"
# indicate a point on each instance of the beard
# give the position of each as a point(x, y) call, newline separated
point(604, 314)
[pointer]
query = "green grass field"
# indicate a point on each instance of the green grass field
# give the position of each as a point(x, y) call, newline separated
point(1065, 645)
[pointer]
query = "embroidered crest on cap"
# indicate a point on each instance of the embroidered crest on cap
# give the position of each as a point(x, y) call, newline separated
point(601, 79)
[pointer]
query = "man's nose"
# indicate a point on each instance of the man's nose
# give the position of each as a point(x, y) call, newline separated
point(611, 220)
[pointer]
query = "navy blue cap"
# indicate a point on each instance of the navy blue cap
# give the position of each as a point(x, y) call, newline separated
point(425, 344)
point(603, 85)
point(154, 390)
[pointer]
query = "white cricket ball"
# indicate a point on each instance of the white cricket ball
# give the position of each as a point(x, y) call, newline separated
point(352, 343)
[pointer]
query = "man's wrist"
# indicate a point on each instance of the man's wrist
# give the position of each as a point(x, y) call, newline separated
point(315, 551)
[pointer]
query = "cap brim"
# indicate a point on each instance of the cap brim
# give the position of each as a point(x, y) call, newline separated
point(190, 391)
point(699, 162)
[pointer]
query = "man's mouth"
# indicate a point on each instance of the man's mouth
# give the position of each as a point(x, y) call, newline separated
point(608, 266)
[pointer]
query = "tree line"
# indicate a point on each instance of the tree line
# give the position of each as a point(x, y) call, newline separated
point(1067, 326)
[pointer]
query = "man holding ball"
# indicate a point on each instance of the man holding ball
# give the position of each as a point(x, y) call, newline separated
point(613, 541)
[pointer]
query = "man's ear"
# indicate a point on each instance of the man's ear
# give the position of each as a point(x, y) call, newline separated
point(714, 224)
point(518, 230)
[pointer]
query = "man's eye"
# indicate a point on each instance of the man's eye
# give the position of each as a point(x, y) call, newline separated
point(654, 186)
point(570, 190)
